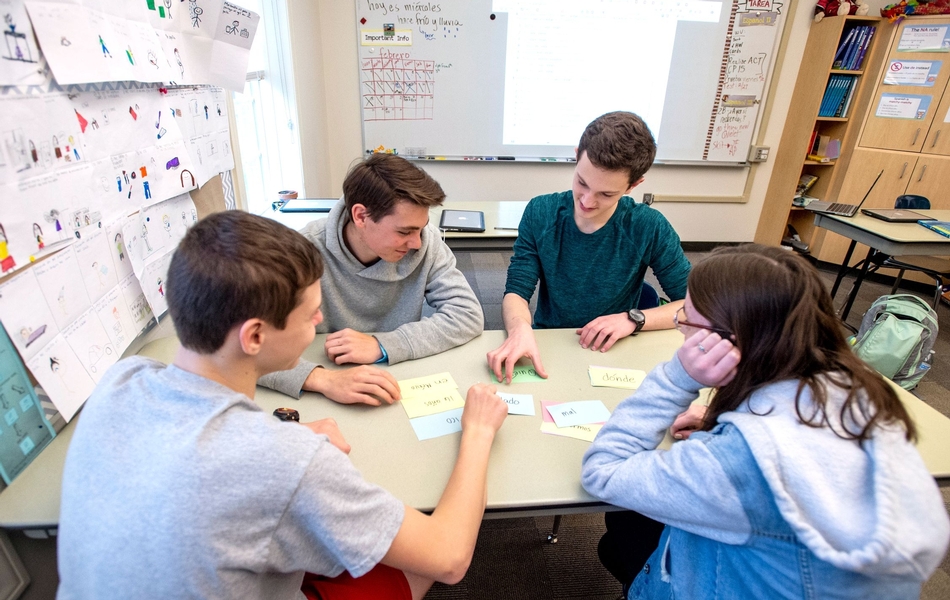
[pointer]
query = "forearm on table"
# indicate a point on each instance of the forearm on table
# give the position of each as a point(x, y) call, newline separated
point(440, 546)
point(661, 317)
point(516, 313)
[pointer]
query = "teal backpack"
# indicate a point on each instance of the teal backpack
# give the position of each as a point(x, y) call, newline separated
point(896, 337)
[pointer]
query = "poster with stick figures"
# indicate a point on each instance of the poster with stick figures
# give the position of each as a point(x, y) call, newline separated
point(90, 341)
point(62, 376)
point(20, 60)
point(95, 263)
point(61, 281)
point(25, 314)
point(115, 317)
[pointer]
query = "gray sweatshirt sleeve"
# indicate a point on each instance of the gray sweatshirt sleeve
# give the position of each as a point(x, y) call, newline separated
point(288, 382)
point(685, 487)
point(458, 316)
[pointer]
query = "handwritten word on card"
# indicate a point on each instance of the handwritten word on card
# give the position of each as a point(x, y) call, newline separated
point(586, 433)
point(629, 379)
point(437, 425)
point(521, 375)
point(429, 384)
point(519, 404)
point(433, 402)
point(578, 413)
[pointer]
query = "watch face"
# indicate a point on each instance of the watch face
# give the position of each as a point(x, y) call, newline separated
point(637, 317)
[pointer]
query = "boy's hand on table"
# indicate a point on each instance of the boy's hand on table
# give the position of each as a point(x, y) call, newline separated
point(519, 344)
point(359, 385)
point(350, 346)
point(328, 427)
point(483, 409)
point(603, 332)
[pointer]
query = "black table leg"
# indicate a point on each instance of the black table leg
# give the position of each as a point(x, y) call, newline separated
point(857, 285)
point(844, 269)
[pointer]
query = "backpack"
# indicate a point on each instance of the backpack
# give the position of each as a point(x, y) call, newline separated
point(896, 337)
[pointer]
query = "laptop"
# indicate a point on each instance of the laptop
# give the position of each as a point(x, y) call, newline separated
point(838, 208)
point(462, 220)
point(895, 215)
point(318, 205)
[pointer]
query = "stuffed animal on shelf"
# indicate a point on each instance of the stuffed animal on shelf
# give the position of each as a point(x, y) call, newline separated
point(843, 7)
point(896, 12)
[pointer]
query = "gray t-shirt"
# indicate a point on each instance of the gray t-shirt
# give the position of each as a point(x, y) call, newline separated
point(178, 487)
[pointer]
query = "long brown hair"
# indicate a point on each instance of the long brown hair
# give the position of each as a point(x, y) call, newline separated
point(785, 327)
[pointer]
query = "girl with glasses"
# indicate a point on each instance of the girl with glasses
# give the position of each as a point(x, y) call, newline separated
point(802, 481)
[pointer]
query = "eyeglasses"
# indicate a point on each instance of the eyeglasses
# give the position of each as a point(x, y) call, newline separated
point(680, 323)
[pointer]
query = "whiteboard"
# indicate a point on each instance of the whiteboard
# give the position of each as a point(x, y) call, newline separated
point(520, 79)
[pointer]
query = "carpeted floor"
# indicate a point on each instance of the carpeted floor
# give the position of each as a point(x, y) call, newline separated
point(513, 561)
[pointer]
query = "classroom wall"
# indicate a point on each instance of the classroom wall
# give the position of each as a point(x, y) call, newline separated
point(325, 62)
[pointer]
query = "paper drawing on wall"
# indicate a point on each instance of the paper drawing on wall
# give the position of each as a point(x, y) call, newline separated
point(17, 151)
point(161, 286)
point(38, 234)
point(6, 261)
point(181, 67)
point(96, 354)
point(53, 217)
point(60, 371)
point(119, 246)
point(195, 12)
point(30, 335)
point(101, 271)
point(17, 46)
point(105, 51)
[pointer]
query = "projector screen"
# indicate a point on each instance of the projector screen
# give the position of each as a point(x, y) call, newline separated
point(520, 79)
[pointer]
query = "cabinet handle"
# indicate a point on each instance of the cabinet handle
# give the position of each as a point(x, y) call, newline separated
point(922, 171)
point(936, 137)
point(903, 170)
point(916, 135)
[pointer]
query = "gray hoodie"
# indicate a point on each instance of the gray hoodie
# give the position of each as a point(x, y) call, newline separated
point(386, 299)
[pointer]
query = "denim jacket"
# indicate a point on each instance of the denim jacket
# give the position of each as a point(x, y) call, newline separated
point(771, 564)
point(764, 505)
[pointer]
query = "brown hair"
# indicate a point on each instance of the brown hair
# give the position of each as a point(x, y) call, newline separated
point(785, 327)
point(233, 266)
point(382, 180)
point(619, 141)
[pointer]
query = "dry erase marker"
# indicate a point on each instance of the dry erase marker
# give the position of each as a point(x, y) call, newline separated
point(506, 158)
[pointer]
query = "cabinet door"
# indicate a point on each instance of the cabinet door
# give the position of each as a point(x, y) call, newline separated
point(938, 139)
point(904, 106)
point(864, 168)
point(930, 179)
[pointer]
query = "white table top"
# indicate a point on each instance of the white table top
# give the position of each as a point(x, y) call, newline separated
point(895, 239)
point(529, 473)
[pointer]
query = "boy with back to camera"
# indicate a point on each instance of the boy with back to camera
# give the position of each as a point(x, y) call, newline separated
point(177, 485)
point(384, 261)
point(590, 248)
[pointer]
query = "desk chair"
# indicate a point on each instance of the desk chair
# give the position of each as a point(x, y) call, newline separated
point(649, 298)
point(935, 267)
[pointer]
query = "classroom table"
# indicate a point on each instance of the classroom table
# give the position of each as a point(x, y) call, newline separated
point(893, 239)
point(530, 473)
point(501, 223)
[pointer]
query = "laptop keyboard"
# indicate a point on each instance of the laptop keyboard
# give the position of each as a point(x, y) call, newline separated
point(842, 210)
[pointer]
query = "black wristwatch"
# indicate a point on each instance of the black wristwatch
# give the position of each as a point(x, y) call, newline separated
point(287, 414)
point(639, 320)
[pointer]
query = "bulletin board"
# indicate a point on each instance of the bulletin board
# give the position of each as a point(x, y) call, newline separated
point(520, 79)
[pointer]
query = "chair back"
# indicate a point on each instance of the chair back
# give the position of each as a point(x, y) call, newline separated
point(649, 298)
point(911, 202)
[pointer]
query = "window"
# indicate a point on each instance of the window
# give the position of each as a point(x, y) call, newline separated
point(266, 113)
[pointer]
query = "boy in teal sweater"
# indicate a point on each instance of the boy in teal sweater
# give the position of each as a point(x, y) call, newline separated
point(590, 248)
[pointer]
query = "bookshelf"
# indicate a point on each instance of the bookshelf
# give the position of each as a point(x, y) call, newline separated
point(913, 153)
point(811, 102)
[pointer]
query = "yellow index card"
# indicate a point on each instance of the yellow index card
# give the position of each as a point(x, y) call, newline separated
point(586, 433)
point(432, 402)
point(629, 379)
point(419, 386)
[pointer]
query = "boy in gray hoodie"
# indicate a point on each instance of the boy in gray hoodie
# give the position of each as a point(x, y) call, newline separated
point(384, 260)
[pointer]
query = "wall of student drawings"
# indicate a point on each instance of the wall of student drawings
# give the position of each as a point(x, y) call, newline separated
point(110, 115)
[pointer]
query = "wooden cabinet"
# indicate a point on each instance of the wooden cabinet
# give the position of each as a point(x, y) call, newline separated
point(911, 148)
point(814, 77)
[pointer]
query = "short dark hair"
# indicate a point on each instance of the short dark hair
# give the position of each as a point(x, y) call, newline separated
point(785, 327)
point(233, 266)
point(382, 180)
point(619, 141)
